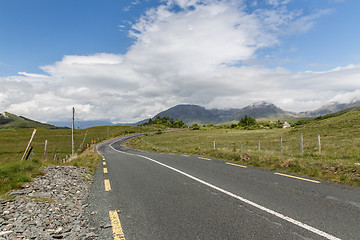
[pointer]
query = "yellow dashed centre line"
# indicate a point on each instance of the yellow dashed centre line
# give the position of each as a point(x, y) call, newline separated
point(237, 165)
point(205, 158)
point(107, 185)
point(300, 178)
point(116, 226)
point(105, 170)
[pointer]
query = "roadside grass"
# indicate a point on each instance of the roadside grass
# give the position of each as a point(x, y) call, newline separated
point(13, 175)
point(340, 147)
point(13, 142)
point(88, 159)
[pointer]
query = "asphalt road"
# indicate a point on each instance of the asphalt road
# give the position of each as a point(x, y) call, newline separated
point(168, 196)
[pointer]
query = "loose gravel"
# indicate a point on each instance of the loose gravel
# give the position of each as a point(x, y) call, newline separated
point(51, 207)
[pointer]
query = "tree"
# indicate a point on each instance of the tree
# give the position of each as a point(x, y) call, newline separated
point(247, 121)
point(195, 127)
point(166, 121)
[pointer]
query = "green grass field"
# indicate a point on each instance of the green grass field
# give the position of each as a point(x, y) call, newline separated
point(13, 142)
point(340, 147)
point(339, 160)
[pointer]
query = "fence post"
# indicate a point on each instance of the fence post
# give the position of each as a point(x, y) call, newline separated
point(83, 141)
point(281, 145)
point(45, 149)
point(27, 148)
point(54, 155)
point(319, 145)
point(259, 145)
point(301, 143)
point(214, 146)
point(28, 154)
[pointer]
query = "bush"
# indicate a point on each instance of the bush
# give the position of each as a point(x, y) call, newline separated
point(301, 122)
point(247, 121)
point(166, 122)
point(195, 127)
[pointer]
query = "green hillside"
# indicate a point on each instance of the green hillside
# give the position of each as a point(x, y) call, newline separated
point(339, 137)
point(8, 121)
point(14, 171)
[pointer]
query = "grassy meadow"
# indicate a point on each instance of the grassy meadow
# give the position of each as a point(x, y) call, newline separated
point(339, 160)
point(340, 147)
point(13, 142)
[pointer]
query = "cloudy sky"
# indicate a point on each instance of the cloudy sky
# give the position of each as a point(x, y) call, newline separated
point(126, 60)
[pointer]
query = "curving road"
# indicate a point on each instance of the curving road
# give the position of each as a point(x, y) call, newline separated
point(144, 195)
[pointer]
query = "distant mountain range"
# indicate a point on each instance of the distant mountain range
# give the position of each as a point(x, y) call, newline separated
point(81, 124)
point(190, 114)
point(331, 108)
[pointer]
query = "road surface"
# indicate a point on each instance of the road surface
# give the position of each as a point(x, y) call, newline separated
point(145, 195)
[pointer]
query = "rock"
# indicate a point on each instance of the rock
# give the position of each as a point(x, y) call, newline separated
point(21, 192)
point(3, 233)
point(50, 207)
point(106, 226)
point(59, 236)
point(40, 195)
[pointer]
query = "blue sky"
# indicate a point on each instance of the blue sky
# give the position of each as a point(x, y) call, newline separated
point(150, 55)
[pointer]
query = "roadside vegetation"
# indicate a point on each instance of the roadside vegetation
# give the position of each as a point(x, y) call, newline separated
point(245, 123)
point(260, 145)
point(14, 171)
point(248, 142)
point(165, 122)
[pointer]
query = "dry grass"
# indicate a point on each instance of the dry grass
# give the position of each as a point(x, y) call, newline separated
point(340, 147)
point(14, 172)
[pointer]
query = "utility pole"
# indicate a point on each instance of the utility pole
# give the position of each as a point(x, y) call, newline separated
point(72, 133)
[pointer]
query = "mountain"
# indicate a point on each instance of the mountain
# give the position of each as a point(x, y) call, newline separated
point(8, 120)
point(332, 108)
point(264, 110)
point(82, 124)
point(191, 114)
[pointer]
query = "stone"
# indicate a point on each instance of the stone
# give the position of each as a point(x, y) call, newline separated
point(50, 207)
point(3, 233)
point(106, 226)
point(58, 236)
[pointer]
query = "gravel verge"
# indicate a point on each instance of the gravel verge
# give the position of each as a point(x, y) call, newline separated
point(53, 206)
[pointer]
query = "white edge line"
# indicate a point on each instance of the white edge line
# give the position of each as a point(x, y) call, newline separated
point(279, 215)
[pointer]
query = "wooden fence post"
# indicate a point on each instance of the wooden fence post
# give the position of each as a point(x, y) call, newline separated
point(54, 155)
point(27, 148)
point(301, 143)
point(83, 140)
point(319, 142)
point(281, 145)
point(45, 149)
point(259, 145)
point(28, 154)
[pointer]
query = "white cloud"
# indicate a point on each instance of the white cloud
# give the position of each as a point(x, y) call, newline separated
point(195, 56)
point(278, 2)
point(33, 75)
